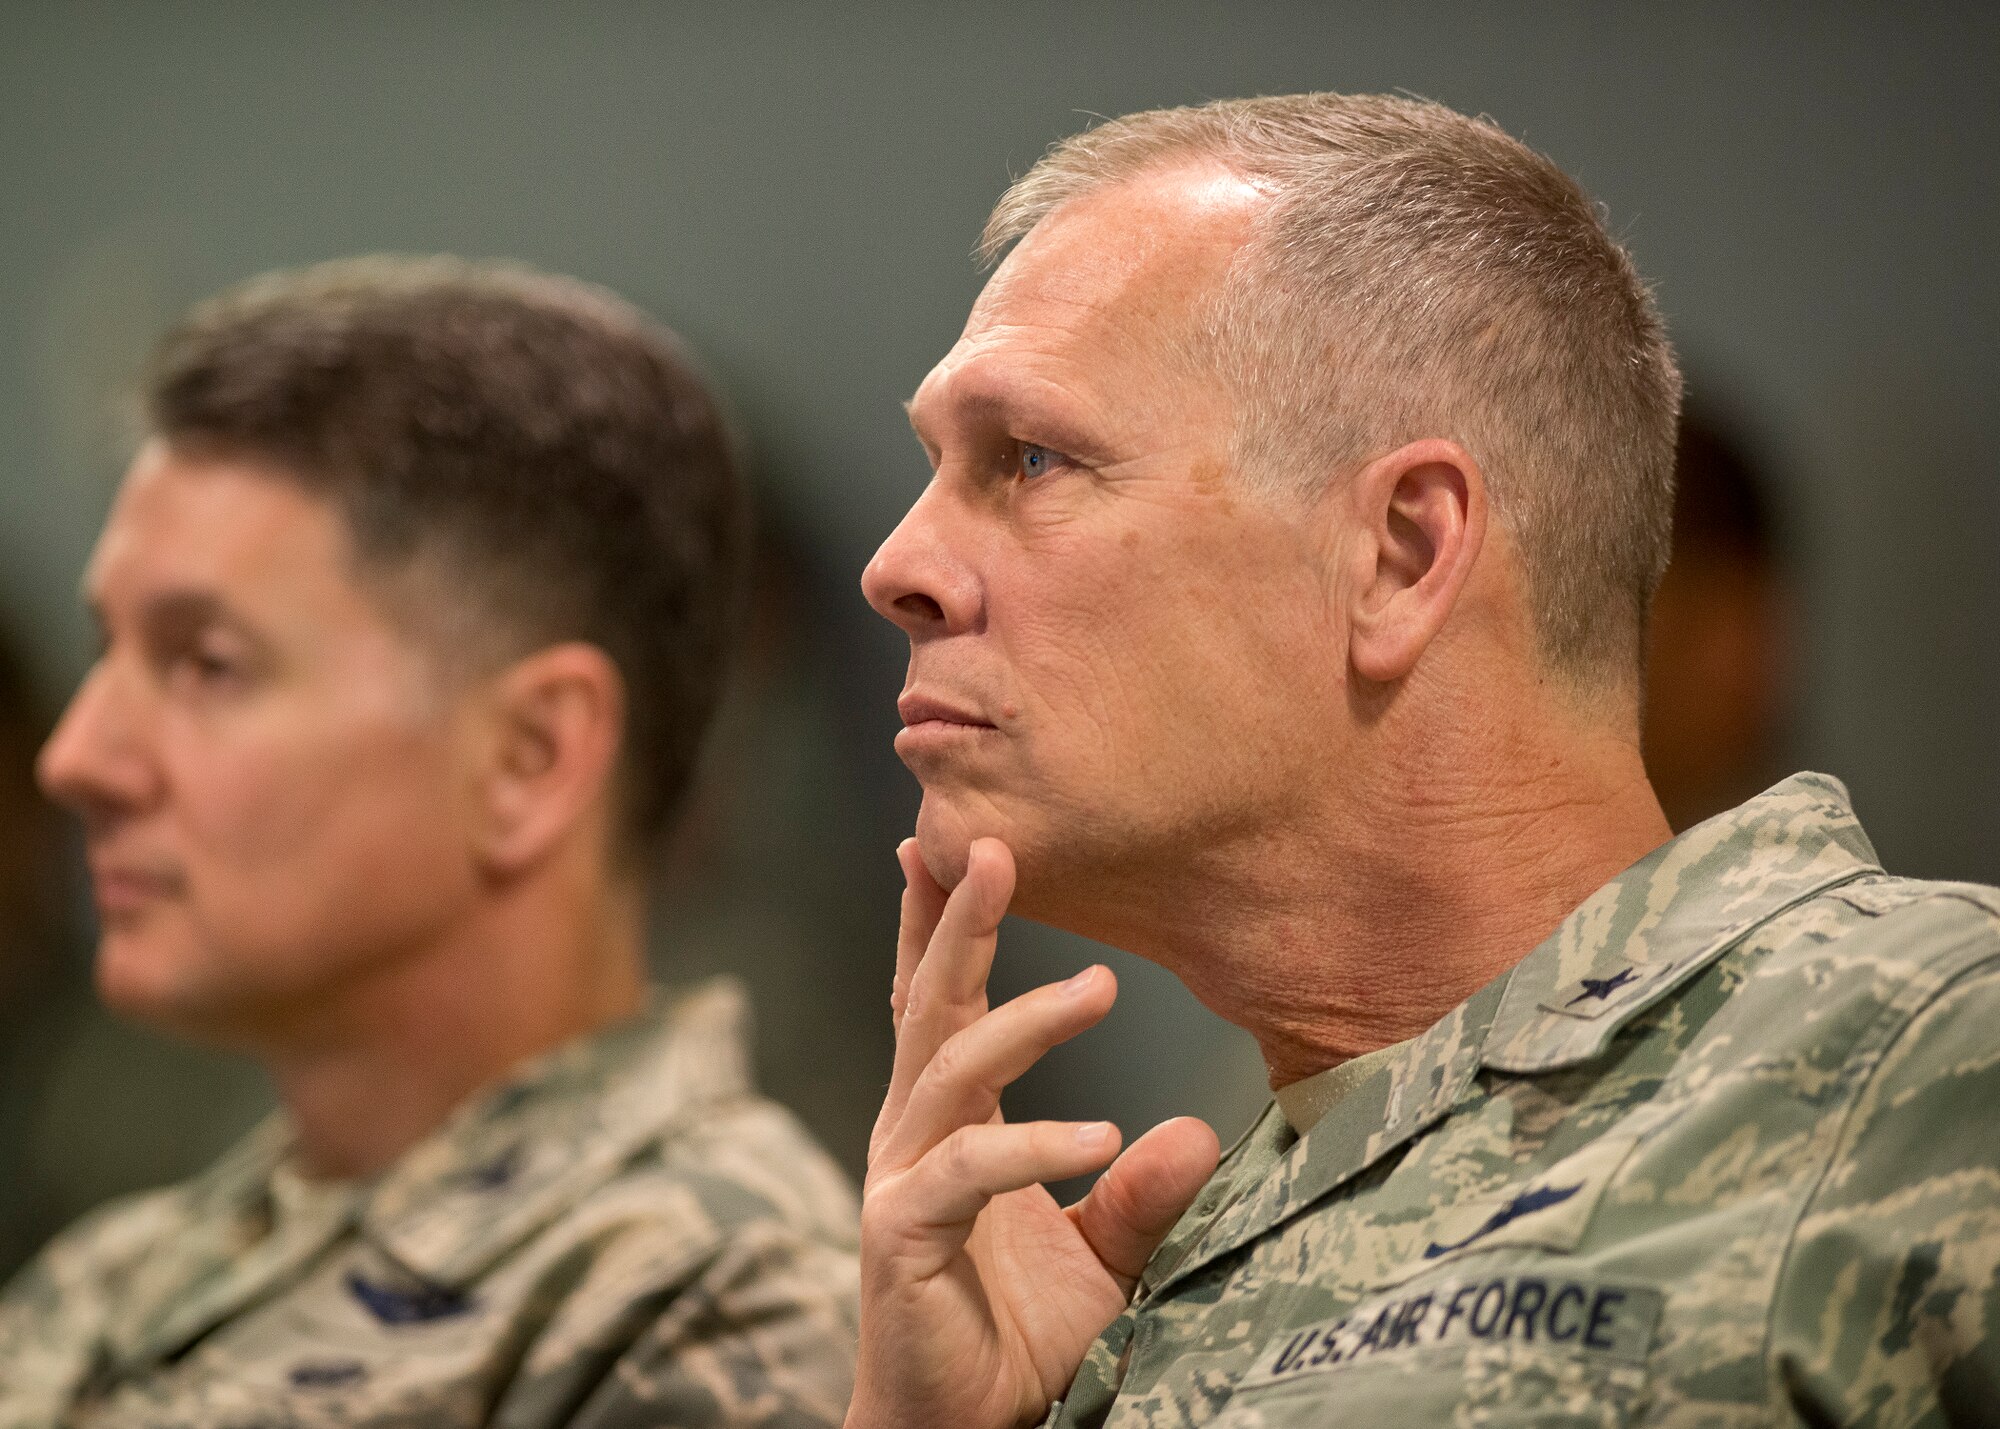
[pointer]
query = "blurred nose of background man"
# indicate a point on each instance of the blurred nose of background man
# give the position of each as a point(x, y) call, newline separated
point(95, 762)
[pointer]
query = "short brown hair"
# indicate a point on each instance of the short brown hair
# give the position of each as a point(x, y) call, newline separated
point(536, 441)
point(1419, 273)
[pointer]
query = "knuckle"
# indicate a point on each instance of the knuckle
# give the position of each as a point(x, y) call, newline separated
point(951, 1064)
point(955, 1158)
point(879, 1216)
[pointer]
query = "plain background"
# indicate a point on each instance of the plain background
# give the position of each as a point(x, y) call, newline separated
point(797, 187)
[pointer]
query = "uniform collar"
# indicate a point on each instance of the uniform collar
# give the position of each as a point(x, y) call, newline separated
point(1305, 1103)
point(1671, 914)
point(1625, 947)
point(226, 1216)
point(505, 1165)
point(522, 1153)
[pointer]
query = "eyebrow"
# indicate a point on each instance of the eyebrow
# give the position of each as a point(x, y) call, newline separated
point(1006, 404)
point(185, 609)
point(180, 612)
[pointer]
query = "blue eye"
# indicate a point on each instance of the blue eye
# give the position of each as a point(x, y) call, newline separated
point(1037, 460)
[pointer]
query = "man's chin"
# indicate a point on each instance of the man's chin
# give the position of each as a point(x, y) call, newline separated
point(944, 842)
point(948, 827)
point(158, 988)
point(1060, 878)
point(946, 833)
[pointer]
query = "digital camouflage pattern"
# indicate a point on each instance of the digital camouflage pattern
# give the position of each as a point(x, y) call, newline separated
point(1722, 1151)
point(623, 1235)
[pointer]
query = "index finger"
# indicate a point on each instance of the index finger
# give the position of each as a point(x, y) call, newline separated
point(947, 990)
point(923, 905)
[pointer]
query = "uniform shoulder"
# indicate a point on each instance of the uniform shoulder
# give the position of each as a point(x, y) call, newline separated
point(1871, 952)
point(749, 1160)
point(730, 1173)
point(716, 1266)
point(1912, 921)
point(1879, 895)
point(734, 1202)
point(88, 1259)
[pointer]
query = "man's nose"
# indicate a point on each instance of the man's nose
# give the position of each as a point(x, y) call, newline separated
point(92, 761)
point(920, 579)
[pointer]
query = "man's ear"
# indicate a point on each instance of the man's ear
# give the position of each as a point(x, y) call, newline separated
point(558, 723)
point(1421, 515)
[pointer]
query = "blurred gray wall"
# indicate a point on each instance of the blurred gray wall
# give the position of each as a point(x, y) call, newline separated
point(796, 187)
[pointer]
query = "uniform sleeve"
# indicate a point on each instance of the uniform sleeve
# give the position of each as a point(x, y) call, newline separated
point(761, 1337)
point(1888, 1306)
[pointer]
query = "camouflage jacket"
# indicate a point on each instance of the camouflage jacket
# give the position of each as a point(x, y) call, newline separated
point(1721, 1151)
point(622, 1235)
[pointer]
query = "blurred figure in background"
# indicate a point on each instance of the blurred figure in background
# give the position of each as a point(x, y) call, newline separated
point(415, 606)
point(33, 966)
point(1718, 660)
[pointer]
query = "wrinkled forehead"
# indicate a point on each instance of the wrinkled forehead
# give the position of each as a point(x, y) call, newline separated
point(1144, 248)
point(1114, 276)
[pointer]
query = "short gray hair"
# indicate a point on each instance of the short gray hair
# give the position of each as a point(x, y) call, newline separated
point(1419, 273)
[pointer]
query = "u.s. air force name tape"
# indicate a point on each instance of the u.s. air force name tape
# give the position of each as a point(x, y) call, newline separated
point(1565, 1313)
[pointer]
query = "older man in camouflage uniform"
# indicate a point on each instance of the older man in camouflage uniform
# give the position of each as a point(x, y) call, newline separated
point(1275, 610)
point(415, 606)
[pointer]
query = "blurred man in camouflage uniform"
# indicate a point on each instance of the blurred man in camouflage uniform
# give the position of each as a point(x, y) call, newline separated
point(1275, 612)
point(414, 607)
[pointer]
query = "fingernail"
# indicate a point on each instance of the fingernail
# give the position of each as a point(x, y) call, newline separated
point(1076, 985)
point(1094, 1134)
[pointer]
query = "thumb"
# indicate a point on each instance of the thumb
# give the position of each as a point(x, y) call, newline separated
point(1137, 1201)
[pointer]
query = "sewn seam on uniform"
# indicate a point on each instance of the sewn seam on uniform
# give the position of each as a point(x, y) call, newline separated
point(1239, 1188)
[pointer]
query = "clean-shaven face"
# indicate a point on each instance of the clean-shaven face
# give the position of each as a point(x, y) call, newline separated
point(266, 767)
point(1115, 646)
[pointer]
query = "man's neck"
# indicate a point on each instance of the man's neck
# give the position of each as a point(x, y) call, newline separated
point(366, 1080)
point(1368, 919)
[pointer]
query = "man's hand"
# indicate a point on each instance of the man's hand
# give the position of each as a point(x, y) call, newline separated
point(979, 1294)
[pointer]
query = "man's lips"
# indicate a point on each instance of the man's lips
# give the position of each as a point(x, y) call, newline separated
point(125, 887)
point(920, 710)
point(935, 727)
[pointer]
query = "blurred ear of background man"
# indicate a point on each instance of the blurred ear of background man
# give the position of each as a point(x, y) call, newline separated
point(1276, 611)
point(415, 606)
